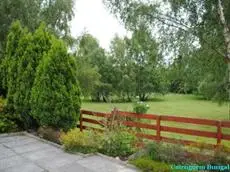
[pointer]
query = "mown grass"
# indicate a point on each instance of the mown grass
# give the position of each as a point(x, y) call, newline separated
point(175, 105)
point(171, 104)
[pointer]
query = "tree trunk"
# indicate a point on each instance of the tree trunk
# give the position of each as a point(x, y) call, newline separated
point(104, 99)
point(228, 89)
point(226, 34)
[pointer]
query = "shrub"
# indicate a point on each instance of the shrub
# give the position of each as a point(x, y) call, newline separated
point(169, 153)
point(2, 104)
point(118, 143)
point(31, 49)
point(112, 143)
point(24, 50)
point(55, 97)
point(7, 125)
point(84, 142)
point(148, 165)
point(10, 62)
point(140, 107)
point(220, 157)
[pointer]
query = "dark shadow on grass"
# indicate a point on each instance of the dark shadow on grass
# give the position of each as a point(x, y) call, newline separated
point(156, 99)
point(109, 101)
point(198, 97)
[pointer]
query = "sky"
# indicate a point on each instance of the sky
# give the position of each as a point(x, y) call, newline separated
point(93, 17)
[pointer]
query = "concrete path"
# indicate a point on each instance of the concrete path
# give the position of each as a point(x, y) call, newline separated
point(22, 153)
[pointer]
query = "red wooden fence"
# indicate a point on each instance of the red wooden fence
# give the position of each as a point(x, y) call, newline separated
point(158, 127)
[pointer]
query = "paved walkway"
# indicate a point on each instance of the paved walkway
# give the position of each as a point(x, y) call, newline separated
point(23, 153)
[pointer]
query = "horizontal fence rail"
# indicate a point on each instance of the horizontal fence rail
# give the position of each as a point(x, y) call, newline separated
point(144, 121)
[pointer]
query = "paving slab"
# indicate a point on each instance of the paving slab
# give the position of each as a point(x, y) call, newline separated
point(19, 142)
point(41, 154)
point(73, 167)
point(101, 164)
point(26, 167)
point(11, 161)
point(5, 152)
point(57, 161)
point(12, 138)
point(24, 153)
point(35, 146)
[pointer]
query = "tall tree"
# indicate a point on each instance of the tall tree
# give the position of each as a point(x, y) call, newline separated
point(184, 26)
point(88, 77)
point(123, 69)
point(90, 51)
point(55, 13)
point(143, 50)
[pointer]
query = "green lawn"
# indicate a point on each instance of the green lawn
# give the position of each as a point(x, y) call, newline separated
point(171, 104)
point(178, 105)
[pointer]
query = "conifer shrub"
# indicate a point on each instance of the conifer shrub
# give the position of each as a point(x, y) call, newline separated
point(32, 47)
point(35, 45)
point(9, 63)
point(55, 97)
point(24, 51)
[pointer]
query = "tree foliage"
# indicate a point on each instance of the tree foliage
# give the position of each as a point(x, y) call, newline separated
point(87, 76)
point(91, 53)
point(131, 67)
point(143, 51)
point(56, 13)
point(192, 30)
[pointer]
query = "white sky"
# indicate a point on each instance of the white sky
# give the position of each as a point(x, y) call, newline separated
point(93, 17)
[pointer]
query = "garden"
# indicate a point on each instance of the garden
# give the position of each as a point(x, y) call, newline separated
point(173, 68)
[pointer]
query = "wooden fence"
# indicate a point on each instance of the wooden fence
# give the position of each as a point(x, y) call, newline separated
point(158, 126)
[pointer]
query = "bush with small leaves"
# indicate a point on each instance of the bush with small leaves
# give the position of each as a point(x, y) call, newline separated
point(2, 104)
point(7, 125)
point(169, 153)
point(55, 97)
point(146, 164)
point(84, 142)
point(118, 143)
point(140, 107)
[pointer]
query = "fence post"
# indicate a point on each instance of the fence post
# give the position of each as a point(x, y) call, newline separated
point(219, 133)
point(158, 122)
point(81, 122)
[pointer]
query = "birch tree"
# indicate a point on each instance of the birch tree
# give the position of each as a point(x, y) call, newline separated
point(184, 27)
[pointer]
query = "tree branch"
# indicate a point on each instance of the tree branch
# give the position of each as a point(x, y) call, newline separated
point(188, 30)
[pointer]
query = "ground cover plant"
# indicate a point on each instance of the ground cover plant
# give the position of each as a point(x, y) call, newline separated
point(146, 164)
point(154, 155)
point(84, 142)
